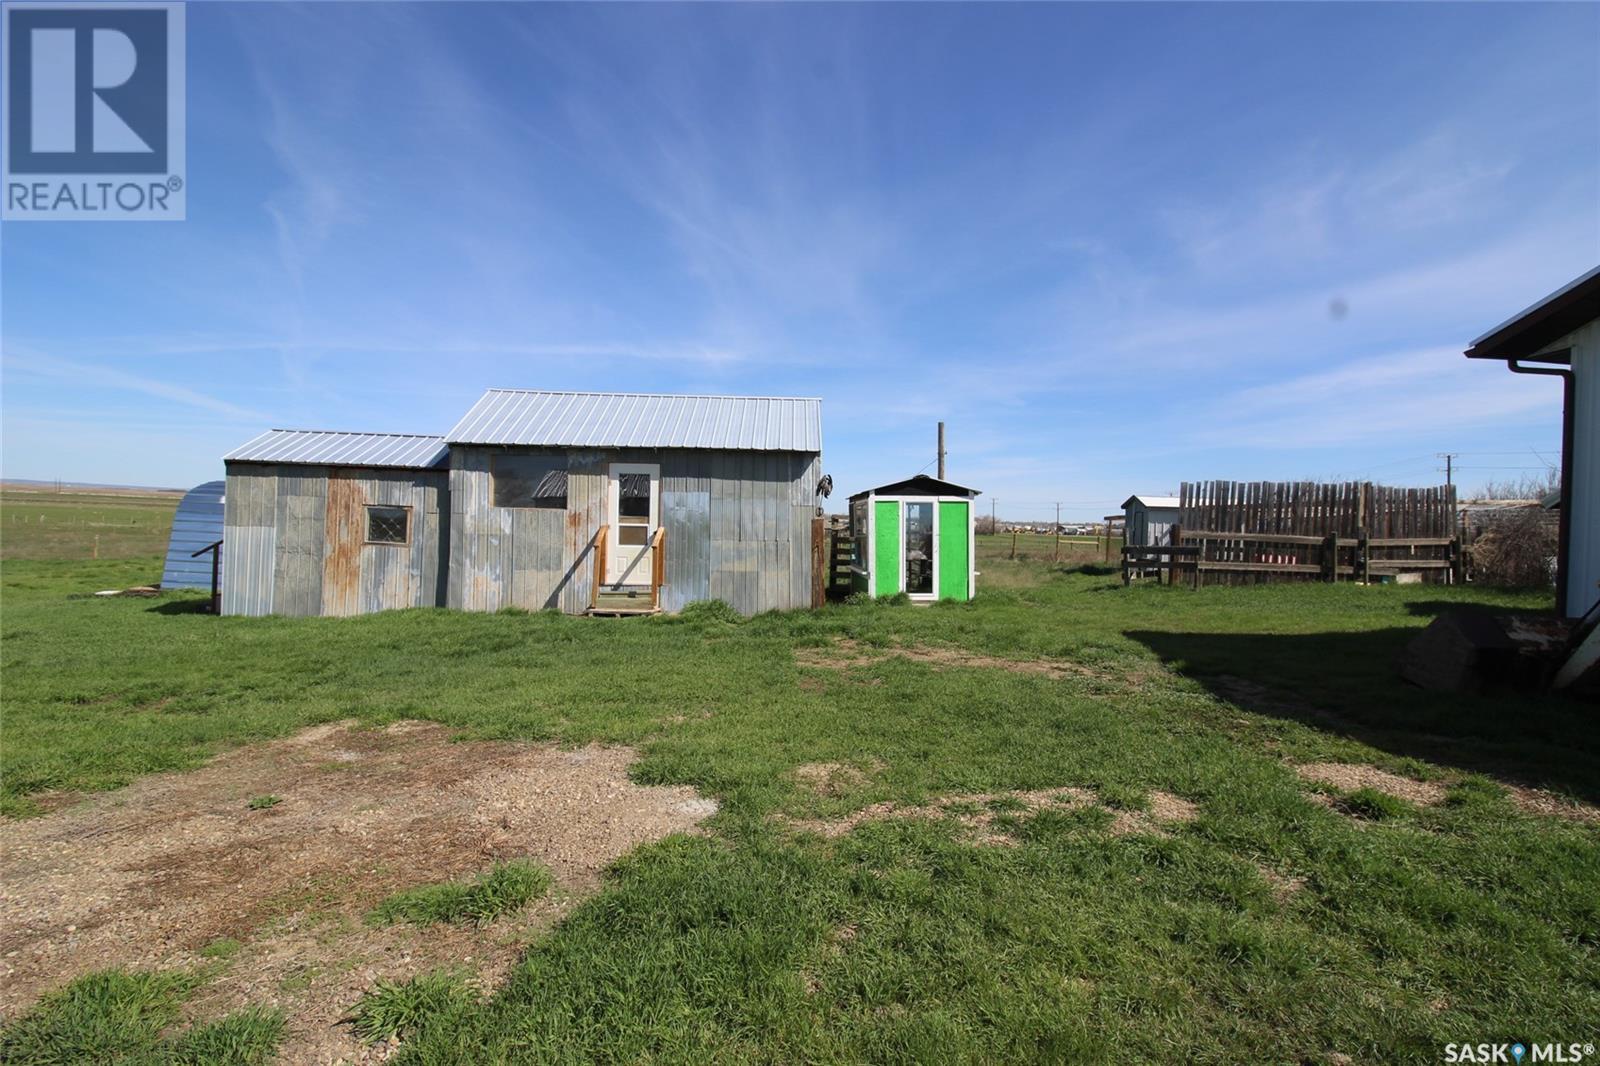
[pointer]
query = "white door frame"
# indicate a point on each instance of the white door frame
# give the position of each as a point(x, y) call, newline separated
point(900, 542)
point(630, 564)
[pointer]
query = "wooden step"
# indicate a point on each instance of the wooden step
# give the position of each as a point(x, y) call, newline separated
point(620, 602)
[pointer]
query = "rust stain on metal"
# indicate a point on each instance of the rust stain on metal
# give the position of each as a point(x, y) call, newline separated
point(341, 565)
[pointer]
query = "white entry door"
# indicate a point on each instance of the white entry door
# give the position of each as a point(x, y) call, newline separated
point(635, 514)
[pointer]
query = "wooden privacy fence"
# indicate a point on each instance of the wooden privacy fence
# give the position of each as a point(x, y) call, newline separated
point(1304, 508)
point(1300, 531)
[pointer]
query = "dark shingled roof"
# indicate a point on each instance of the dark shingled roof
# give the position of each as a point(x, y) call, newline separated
point(920, 485)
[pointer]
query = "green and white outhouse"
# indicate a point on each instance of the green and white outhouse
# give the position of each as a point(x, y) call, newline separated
point(915, 536)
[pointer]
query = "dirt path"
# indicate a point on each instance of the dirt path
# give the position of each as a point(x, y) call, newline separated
point(177, 870)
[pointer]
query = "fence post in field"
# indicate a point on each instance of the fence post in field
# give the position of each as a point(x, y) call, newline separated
point(1363, 557)
point(1457, 562)
point(1173, 541)
point(1013, 544)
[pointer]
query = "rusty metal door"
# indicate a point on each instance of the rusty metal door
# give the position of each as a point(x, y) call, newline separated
point(345, 533)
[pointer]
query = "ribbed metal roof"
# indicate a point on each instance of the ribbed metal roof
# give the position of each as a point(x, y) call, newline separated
point(320, 447)
point(638, 420)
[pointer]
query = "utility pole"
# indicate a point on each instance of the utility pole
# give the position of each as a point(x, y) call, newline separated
point(1449, 467)
point(941, 451)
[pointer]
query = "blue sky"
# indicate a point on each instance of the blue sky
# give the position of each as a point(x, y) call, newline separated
point(1113, 247)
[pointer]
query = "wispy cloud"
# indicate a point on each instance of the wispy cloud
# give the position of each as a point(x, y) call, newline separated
point(92, 377)
point(1399, 398)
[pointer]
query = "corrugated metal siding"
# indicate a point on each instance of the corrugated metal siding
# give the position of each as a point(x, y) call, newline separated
point(333, 448)
point(249, 536)
point(632, 420)
point(197, 523)
point(738, 527)
point(296, 536)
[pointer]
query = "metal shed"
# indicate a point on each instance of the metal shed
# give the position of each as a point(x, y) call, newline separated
point(330, 523)
point(614, 503)
point(665, 500)
point(1148, 520)
point(915, 536)
point(196, 524)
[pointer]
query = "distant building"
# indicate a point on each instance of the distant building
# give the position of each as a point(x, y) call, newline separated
point(1560, 336)
point(1148, 520)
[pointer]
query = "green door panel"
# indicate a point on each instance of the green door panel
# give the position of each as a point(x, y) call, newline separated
point(954, 564)
point(886, 547)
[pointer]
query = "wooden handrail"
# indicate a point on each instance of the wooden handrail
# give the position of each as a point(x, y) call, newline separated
point(597, 578)
point(658, 564)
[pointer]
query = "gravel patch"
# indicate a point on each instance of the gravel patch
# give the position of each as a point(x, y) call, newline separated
point(149, 875)
point(1348, 777)
point(980, 814)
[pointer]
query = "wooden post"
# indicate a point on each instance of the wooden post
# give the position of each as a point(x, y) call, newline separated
point(819, 540)
point(1199, 557)
point(1330, 557)
point(1174, 539)
point(1013, 544)
point(1055, 552)
point(1458, 575)
point(1363, 557)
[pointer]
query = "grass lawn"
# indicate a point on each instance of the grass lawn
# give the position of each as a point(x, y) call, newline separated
point(1285, 923)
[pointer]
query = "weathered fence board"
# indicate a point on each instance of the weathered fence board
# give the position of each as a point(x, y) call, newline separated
point(1248, 533)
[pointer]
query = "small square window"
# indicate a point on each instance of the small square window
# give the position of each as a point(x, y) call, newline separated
point(388, 525)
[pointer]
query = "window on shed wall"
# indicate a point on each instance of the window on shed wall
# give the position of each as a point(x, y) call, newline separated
point(530, 481)
point(388, 525)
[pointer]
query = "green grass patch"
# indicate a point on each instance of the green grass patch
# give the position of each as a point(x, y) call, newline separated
point(400, 1009)
point(117, 1016)
point(1374, 805)
point(263, 803)
point(505, 888)
point(903, 940)
point(223, 949)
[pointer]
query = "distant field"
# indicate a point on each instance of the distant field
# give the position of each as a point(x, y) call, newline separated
point(1043, 546)
point(50, 525)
